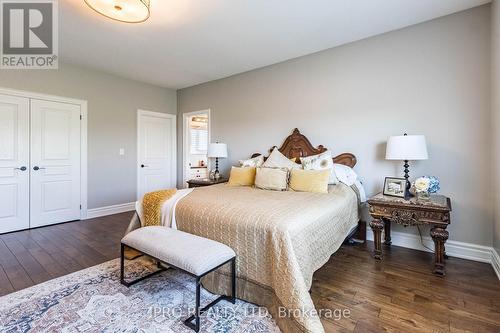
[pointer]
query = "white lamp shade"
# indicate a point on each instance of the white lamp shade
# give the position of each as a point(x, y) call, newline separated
point(217, 150)
point(406, 147)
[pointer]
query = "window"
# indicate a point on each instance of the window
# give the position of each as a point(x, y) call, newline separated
point(199, 141)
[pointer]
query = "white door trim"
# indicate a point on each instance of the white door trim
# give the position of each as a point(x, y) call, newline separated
point(185, 130)
point(83, 135)
point(173, 169)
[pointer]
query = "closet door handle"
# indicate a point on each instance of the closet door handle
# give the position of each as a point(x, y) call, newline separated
point(144, 166)
point(23, 168)
point(36, 168)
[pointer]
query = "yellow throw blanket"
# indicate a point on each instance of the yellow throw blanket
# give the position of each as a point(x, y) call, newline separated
point(151, 206)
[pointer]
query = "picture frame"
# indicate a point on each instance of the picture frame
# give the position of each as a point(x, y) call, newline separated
point(395, 187)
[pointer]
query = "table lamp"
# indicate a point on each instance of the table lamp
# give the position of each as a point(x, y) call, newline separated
point(217, 150)
point(406, 148)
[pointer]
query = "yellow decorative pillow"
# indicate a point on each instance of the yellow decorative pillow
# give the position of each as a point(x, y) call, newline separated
point(309, 180)
point(244, 176)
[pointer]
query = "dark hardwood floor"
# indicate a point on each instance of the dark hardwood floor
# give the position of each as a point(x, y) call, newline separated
point(398, 294)
point(33, 256)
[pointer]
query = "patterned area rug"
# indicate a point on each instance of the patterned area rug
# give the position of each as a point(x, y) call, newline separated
point(93, 300)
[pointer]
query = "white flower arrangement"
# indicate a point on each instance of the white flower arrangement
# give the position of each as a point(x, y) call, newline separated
point(422, 184)
point(428, 184)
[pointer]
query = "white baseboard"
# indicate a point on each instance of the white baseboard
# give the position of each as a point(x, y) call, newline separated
point(453, 248)
point(495, 261)
point(110, 210)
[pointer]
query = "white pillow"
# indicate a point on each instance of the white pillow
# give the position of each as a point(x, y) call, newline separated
point(272, 179)
point(321, 161)
point(278, 160)
point(252, 162)
point(345, 174)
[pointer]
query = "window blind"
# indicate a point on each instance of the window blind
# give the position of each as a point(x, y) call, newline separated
point(199, 141)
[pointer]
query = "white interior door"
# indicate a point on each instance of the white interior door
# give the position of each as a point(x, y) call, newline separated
point(14, 163)
point(156, 152)
point(55, 162)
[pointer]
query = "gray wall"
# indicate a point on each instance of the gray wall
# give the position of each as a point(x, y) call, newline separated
point(112, 112)
point(432, 79)
point(495, 109)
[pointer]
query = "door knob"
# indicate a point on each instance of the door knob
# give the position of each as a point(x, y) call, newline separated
point(36, 168)
point(144, 166)
point(23, 168)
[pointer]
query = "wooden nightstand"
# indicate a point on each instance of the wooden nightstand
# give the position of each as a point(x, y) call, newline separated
point(435, 212)
point(204, 182)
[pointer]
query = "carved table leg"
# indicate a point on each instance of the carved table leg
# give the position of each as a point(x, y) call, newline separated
point(377, 226)
point(439, 236)
point(387, 232)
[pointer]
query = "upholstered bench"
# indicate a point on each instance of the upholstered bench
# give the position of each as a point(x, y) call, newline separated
point(192, 254)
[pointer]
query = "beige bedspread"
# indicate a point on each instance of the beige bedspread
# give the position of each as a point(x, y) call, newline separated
point(280, 239)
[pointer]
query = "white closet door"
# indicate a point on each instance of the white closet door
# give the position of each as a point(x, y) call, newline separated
point(55, 162)
point(14, 163)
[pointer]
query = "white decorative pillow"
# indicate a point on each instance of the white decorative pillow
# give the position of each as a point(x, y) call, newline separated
point(278, 160)
point(345, 174)
point(272, 179)
point(252, 162)
point(321, 161)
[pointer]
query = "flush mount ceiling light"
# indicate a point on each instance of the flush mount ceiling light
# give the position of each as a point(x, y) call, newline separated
point(129, 11)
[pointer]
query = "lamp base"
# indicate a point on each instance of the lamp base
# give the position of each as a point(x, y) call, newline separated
point(216, 173)
point(407, 176)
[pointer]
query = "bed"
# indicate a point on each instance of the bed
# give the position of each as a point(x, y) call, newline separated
point(281, 238)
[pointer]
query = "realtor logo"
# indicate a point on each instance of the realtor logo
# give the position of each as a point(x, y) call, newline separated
point(29, 34)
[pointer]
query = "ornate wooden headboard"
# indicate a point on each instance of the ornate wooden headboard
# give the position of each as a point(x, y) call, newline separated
point(297, 145)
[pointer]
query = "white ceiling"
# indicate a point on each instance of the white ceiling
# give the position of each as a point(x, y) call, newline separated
point(187, 42)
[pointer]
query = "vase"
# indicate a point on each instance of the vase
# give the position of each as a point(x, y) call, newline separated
point(423, 196)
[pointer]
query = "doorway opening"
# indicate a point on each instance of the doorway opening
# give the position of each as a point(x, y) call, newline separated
point(196, 138)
